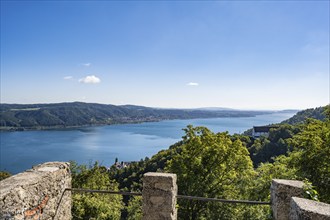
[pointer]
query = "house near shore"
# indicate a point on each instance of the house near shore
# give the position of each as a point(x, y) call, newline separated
point(258, 131)
point(122, 164)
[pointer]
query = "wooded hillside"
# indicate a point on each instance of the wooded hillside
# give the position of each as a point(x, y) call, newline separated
point(43, 116)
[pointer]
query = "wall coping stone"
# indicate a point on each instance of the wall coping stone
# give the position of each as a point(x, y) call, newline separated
point(281, 193)
point(37, 193)
point(31, 176)
point(311, 206)
point(293, 183)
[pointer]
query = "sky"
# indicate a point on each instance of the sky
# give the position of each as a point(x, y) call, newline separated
point(169, 54)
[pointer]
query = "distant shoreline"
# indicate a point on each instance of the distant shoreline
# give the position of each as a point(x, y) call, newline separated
point(27, 117)
point(62, 127)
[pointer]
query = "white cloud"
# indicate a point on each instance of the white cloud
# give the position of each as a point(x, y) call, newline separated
point(192, 84)
point(90, 79)
point(86, 64)
point(68, 77)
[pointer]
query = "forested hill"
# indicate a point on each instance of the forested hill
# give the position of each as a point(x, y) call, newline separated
point(301, 116)
point(41, 116)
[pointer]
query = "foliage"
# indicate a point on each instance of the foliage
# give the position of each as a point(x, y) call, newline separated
point(134, 208)
point(311, 155)
point(209, 165)
point(265, 149)
point(225, 211)
point(98, 206)
point(307, 159)
point(300, 117)
point(4, 175)
point(130, 178)
point(309, 191)
point(279, 169)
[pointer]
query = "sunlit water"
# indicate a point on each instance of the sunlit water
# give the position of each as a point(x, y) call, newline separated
point(129, 142)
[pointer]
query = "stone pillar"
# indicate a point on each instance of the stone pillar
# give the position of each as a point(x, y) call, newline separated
point(302, 209)
point(281, 193)
point(159, 196)
point(38, 193)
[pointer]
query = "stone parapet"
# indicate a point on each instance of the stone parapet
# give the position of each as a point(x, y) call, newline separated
point(159, 196)
point(303, 209)
point(38, 193)
point(281, 193)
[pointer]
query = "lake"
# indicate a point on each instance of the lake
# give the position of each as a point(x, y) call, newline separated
point(127, 142)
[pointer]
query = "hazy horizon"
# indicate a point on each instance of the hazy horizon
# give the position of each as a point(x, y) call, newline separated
point(255, 55)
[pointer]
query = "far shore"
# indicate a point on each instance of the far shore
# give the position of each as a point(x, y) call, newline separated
point(60, 127)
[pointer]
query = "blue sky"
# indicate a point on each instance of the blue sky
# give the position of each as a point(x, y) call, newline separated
point(182, 54)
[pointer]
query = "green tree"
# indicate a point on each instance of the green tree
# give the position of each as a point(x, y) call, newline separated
point(308, 159)
point(210, 165)
point(265, 149)
point(280, 169)
point(98, 206)
point(311, 155)
point(134, 208)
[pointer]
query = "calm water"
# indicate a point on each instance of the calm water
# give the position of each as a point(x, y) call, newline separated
point(129, 142)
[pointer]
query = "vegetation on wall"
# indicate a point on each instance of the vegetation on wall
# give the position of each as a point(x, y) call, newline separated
point(4, 175)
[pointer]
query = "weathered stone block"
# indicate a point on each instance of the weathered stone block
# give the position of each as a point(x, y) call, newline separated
point(159, 196)
point(38, 193)
point(305, 209)
point(281, 193)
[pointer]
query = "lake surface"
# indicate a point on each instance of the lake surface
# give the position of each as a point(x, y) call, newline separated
point(128, 142)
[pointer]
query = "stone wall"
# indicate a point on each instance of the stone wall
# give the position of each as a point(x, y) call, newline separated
point(38, 193)
point(308, 209)
point(288, 204)
point(281, 193)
